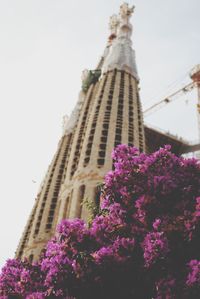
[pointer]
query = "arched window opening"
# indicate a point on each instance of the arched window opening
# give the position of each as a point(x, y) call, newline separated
point(81, 193)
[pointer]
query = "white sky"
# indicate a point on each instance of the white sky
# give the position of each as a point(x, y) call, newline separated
point(44, 46)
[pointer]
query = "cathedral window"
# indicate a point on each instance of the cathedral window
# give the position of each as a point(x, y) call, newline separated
point(105, 126)
point(100, 162)
point(102, 154)
point(118, 131)
point(86, 161)
point(104, 132)
point(88, 152)
point(104, 139)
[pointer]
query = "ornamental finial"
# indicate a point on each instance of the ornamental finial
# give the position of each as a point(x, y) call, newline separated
point(113, 24)
point(126, 11)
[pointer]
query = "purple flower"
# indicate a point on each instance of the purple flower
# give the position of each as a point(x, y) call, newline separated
point(156, 224)
point(193, 277)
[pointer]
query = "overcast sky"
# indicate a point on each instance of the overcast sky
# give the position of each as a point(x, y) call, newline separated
point(44, 46)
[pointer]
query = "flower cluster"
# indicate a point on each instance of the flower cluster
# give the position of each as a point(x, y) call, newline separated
point(144, 243)
point(155, 247)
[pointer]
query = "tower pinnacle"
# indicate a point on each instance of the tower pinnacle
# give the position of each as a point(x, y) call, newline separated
point(121, 55)
point(125, 28)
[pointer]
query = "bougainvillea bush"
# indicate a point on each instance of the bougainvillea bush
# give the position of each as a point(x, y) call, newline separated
point(144, 242)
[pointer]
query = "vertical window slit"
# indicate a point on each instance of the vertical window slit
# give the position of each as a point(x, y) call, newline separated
point(106, 123)
point(81, 133)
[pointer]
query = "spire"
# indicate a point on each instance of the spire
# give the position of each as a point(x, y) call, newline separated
point(121, 55)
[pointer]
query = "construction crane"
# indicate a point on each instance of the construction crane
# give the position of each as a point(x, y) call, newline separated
point(195, 76)
point(172, 97)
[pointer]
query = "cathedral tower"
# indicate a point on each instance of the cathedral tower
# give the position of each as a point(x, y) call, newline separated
point(108, 113)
